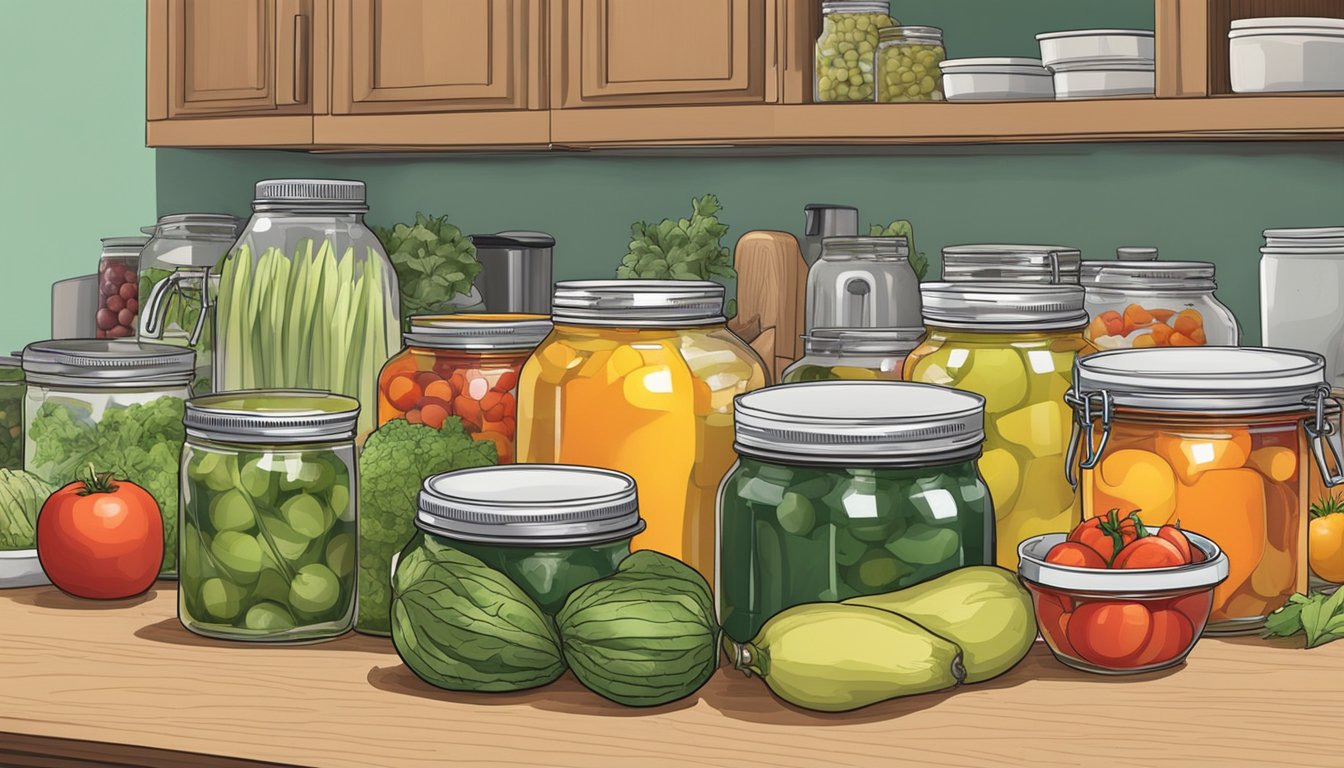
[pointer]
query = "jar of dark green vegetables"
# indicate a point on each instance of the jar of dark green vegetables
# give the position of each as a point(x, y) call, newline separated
point(11, 413)
point(844, 489)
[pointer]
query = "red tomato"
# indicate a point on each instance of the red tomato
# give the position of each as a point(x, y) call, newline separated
point(1110, 633)
point(1100, 533)
point(1149, 552)
point(1052, 616)
point(1174, 535)
point(1075, 554)
point(1194, 607)
point(101, 538)
point(1172, 634)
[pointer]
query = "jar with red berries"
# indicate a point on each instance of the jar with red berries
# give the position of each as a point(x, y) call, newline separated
point(118, 292)
point(465, 366)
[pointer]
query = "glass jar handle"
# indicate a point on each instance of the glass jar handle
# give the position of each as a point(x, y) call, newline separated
point(1087, 407)
point(1319, 429)
point(157, 302)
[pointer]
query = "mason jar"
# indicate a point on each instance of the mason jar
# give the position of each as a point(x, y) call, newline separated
point(846, 47)
point(12, 389)
point(907, 64)
point(1156, 304)
point(118, 289)
point(854, 354)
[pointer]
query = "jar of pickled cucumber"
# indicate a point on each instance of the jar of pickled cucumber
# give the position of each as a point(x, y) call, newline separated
point(1155, 304)
point(1218, 439)
point(268, 516)
point(907, 64)
point(1047, 264)
point(1015, 344)
point(11, 413)
point(846, 49)
point(845, 489)
point(855, 354)
point(639, 376)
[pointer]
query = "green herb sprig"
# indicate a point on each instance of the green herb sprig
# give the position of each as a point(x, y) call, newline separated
point(680, 249)
point(903, 228)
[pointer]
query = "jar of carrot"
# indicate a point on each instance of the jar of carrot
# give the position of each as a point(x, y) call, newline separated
point(465, 366)
point(1219, 440)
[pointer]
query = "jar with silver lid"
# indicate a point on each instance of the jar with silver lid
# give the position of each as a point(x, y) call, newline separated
point(863, 282)
point(1150, 303)
point(1048, 264)
point(854, 354)
point(269, 520)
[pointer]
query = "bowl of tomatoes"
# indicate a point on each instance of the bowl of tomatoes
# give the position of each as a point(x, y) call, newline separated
point(1116, 597)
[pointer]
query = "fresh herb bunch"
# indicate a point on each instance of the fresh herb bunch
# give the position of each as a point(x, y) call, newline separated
point(434, 262)
point(1319, 616)
point(903, 228)
point(683, 249)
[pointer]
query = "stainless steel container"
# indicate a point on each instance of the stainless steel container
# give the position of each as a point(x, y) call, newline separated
point(74, 308)
point(515, 271)
point(823, 220)
point(863, 282)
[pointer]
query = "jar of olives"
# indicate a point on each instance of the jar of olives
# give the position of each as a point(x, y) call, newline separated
point(855, 354)
point(907, 64)
point(845, 49)
point(268, 516)
point(118, 291)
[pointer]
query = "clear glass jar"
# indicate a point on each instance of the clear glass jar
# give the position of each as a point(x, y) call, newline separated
point(1156, 304)
point(846, 47)
point(269, 516)
point(1015, 344)
point(639, 376)
point(863, 282)
point(465, 366)
point(307, 298)
point(115, 404)
point(811, 512)
point(907, 64)
point(854, 354)
point(1219, 439)
point(11, 413)
point(118, 289)
point(1046, 264)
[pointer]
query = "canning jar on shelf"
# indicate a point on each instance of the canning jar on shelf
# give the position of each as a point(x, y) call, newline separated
point(11, 413)
point(848, 488)
point(846, 48)
point(1219, 439)
point(1155, 304)
point(1015, 344)
point(907, 64)
point(269, 516)
point(1049, 264)
point(855, 354)
point(118, 290)
point(639, 376)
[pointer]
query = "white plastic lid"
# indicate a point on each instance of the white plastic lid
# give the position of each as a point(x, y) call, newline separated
point(1105, 65)
point(1004, 306)
point(1094, 33)
point(1006, 65)
point(1203, 575)
point(647, 303)
point(1287, 25)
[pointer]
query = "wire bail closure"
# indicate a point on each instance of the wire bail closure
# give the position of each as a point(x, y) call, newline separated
point(1087, 408)
point(1319, 430)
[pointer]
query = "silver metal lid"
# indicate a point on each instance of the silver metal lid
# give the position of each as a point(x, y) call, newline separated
point(856, 6)
point(1203, 379)
point(1202, 575)
point(652, 303)
point(910, 32)
point(865, 248)
point(514, 241)
point(531, 505)
point(1150, 275)
point(860, 422)
point(1135, 253)
point(1011, 263)
point(335, 194)
point(478, 332)
point(864, 341)
point(202, 226)
point(1303, 240)
point(1004, 306)
point(272, 417)
point(127, 244)
point(108, 363)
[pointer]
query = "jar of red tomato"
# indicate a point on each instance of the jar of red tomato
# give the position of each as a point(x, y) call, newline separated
point(465, 366)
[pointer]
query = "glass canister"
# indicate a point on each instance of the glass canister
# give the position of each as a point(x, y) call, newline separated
point(1047, 264)
point(845, 49)
point(907, 64)
point(639, 376)
point(854, 354)
point(307, 297)
point(845, 489)
point(1015, 344)
point(863, 282)
point(465, 366)
point(115, 404)
point(118, 290)
point(1219, 440)
point(11, 413)
point(1155, 304)
point(269, 516)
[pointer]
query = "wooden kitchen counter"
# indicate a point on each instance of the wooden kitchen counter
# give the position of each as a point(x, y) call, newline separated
point(125, 685)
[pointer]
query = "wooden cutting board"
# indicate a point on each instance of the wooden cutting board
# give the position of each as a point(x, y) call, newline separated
point(771, 281)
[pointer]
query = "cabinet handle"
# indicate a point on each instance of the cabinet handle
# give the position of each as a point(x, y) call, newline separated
point(300, 59)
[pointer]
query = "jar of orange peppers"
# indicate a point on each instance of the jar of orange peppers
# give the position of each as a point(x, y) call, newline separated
point(1155, 304)
point(465, 366)
point(639, 376)
point(1219, 440)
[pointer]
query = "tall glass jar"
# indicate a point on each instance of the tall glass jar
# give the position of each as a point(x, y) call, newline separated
point(1155, 304)
point(465, 366)
point(863, 282)
point(845, 49)
point(269, 516)
point(307, 298)
point(11, 413)
point(1015, 344)
point(1048, 264)
point(846, 489)
point(639, 376)
point(907, 64)
point(115, 404)
point(118, 290)
point(1218, 439)
point(855, 354)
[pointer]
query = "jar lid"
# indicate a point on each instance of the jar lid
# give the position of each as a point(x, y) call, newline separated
point(1004, 306)
point(870, 341)
point(130, 244)
point(859, 422)
point(531, 505)
point(1201, 379)
point(204, 226)
point(1286, 25)
point(1202, 575)
point(1315, 237)
point(108, 362)
point(1095, 33)
point(1136, 253)
point(652, 303)
point(335, 194)
point(916, 33)
point(856, 6)
point(1105, 65)
point(514, 240)
point(483, 333)
point(1005, 65)
point(1012, 263)
point(1154, 275)
point(272, 416)
point(857, 247)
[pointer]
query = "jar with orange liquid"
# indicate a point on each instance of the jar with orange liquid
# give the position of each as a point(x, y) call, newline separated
point(1219, 440)
point(639, 376)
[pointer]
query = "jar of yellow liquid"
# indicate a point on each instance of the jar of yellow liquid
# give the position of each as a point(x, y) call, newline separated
point(639, 376)
point(1015, 345)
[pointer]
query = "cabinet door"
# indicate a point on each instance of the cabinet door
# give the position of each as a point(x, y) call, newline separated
point(394, 56)
point(653, 52)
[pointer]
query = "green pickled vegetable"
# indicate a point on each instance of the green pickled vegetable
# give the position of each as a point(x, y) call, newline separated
point(909, 72)
point(434, 262)
point(21, 498)
point(844, 55)
point(549, 574)
point(684, 249)
point(11, 418)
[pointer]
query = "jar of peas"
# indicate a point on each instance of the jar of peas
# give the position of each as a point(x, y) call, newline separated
point(845, 49)
point(855, 354)
point(907, 64)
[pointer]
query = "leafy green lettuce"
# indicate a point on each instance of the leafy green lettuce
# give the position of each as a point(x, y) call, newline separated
point(434, 262)
point(21, 498)
point(680, 249)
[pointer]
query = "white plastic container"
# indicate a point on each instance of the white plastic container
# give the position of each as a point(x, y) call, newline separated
point(997, 79)
point(1126, 45)
point(1302, 294)
point(1103, 79)
point(1280, 54)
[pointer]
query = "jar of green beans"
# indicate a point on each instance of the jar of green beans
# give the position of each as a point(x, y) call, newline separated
point(907, 64)
point(846, 47)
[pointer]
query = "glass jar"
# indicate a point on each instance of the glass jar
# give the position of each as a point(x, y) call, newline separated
point(1015, 344)
point(907, 64)
point(855, 354)
point(550, 529)
point(639, 376)
point(1155, 304)
point(1048, 264)
point(307, 298)
point(1217, 438)
point(1302, 294)
point(465, 366)
point(845, 489)
point(845, 49)
point(115, 404)
point(269, 516)
point(11, 413)
point(863, 282)
point(118, 291)
point(174, 269)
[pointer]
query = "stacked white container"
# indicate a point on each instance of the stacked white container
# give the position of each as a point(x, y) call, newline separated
point(1100, 63)
point(1302, 294)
